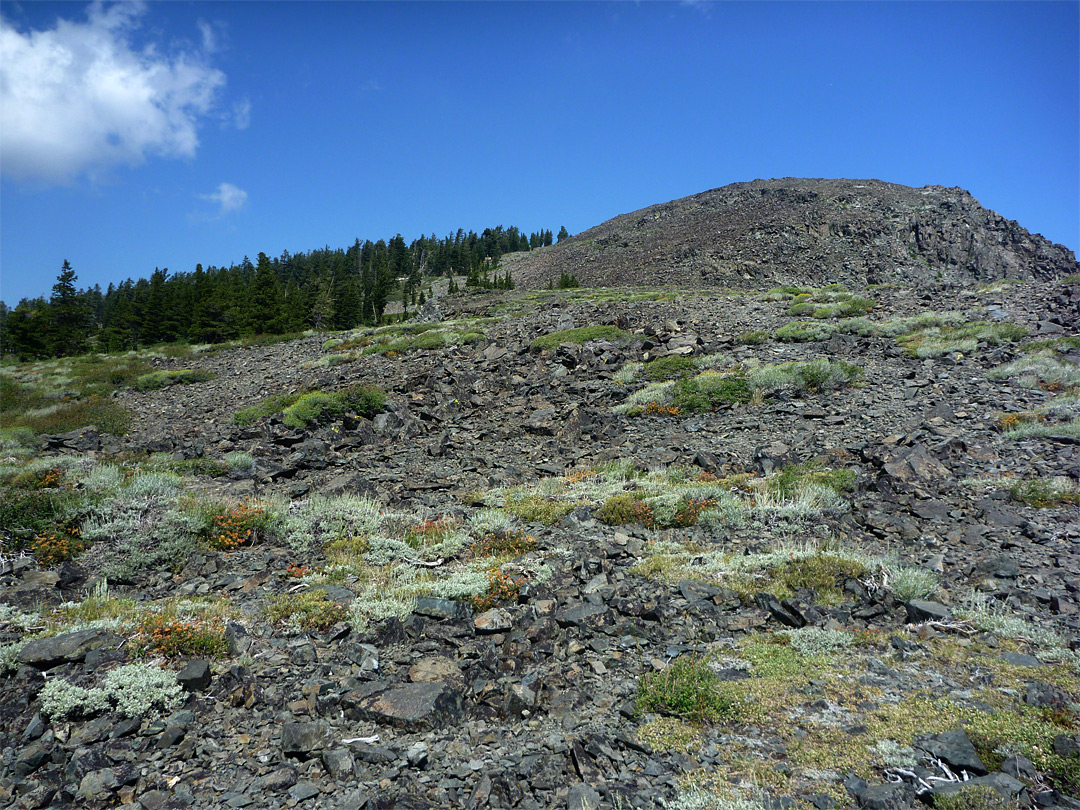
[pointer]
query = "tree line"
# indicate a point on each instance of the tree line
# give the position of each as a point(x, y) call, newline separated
point(322, 289)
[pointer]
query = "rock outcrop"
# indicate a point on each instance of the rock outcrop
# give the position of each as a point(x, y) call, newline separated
point(800, 231)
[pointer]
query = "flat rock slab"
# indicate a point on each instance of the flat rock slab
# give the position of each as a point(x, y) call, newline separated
point(914, 464)
point(495, 620)
point(412, 706)
point(955, 748)
point(437, 669)
point(301, 739)
point(578, 614)
point(921, 610)
point(46, 653)
point(446, 609)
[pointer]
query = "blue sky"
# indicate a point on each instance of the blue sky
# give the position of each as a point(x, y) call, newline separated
point(168, 134)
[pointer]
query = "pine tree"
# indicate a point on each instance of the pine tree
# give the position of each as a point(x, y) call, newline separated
point(25, 330)
point(563, 233)
point(70, 316)
point(322, 308)
point(264, 315)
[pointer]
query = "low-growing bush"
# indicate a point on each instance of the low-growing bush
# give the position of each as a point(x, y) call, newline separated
point(538, 508)
point(580, 335)
point(135, 690)
point(54, 547)
point(503, 587)
point(619, 510)
point(785, 293)
point(709, 390)
point(819, 640)
point(321, 520)
point(1045, 493)
point(307, 610)
point(669, 368)
point(163, 379)
point(175, 636)
point(1040, 370)
point(265, 407)
point(317, 406)
point(106, 414)
point(1044, 430)
point(232, 526)
point(786, 482)
point(503, 544)
point(686, 688)
point(822, 573)
point(752, 337)
point(804, 332)
point(965, 338)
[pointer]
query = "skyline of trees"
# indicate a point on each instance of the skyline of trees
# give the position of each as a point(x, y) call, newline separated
point(324, 289)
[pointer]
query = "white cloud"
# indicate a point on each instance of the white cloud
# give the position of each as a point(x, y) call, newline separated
point(209, 36)
point(228, 198)
point(80, 98)
point(241, 114)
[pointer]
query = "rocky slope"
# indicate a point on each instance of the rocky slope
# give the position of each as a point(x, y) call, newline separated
point(801, 231)
point(531, 704)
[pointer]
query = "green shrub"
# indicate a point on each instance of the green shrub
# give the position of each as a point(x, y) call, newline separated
point(1043, 431)
point(784, 293)
point(580, 335)
point(60, 698)
point(709, 390)
point(812, 641)
point(1062, 343)
point(821, 573)
point(618, 510)
point(669, 368)
point(319, 520)
point(1045, 493)
point(33, 516)
point(503, 544)
point(17, 438)
point(936, 341)
point(972, 797)
point(752, 337)
point(687, 688)
point(913, 583)
point(796, 476)
point(1039, 370)
point(107, 415)
point(307, 610)
point(162, 379)
point(536, 508)
point(134, 690)
point(266, 407)
point(310, 409)
point(188, 636)
point(270, 340)
point(804, 332)
point(9, 657)
point(317, 406)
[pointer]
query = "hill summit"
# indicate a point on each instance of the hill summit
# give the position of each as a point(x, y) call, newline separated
point(802, 231)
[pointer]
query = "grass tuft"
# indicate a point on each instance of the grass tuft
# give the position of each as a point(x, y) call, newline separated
point(686, 688)
point(582, 334)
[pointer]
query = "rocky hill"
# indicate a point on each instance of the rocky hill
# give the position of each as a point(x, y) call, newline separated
point(592, 549)
point(801, 231)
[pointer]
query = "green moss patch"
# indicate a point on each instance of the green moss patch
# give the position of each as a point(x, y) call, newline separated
point(578, 336)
